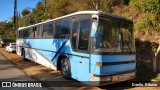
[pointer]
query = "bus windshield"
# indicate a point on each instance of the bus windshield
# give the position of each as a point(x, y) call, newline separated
point(114, 35)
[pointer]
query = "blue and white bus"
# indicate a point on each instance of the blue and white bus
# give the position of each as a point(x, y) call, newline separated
point(89, 46)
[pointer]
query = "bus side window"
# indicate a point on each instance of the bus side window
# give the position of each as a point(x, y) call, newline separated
point(30, 32)
point(84, 34)
point(26, 33)
point(58, 29)
point(40, 33)
point(33, 32)
point(74, 34)
point(66, 28)
point(50, 30)
point(62, 29)
point(37, 34)
point(45, 29)
point(20, 34)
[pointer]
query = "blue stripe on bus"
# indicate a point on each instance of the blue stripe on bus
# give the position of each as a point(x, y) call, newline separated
point(114, 69)
point(63, 44)
point(112, 64)
point(37, 50)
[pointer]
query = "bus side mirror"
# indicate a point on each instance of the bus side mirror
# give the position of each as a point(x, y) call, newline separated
point(95, 19)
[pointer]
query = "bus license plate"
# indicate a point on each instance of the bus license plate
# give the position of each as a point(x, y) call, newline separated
point(121, 77)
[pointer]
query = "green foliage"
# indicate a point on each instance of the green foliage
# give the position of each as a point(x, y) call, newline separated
point(150, 23)
point(25, 11)
point(145, 13)
point(39, 14)
point(154, 47)
point(146, 16)
point(151, 6)
point(6, 30)
point(57, 8)
point(102, 5)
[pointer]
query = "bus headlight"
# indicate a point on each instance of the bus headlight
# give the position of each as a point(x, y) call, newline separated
point(99, 63)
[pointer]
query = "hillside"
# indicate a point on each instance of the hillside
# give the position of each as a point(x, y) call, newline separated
point(146, 17)
point(144, 13)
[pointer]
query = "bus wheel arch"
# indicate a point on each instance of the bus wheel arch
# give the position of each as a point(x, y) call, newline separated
point(59, 61)
point(63, 61)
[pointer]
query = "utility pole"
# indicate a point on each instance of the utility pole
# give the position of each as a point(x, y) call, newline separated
point(15, 14)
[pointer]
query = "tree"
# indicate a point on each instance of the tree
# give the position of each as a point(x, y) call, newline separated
point(102, 5)
point(6, 30)
point(25, 12)
point(148, 24)
point(151, 6)
point(39, 12)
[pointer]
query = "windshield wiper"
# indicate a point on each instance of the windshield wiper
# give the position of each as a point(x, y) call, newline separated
point(116, 46)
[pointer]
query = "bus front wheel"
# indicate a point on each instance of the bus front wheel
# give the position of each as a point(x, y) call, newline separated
point(65, 68)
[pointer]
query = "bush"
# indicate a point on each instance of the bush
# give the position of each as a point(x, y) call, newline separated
point(149, 23)
point(151, 6)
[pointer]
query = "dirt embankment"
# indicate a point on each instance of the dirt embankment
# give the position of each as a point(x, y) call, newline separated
point(144, 57)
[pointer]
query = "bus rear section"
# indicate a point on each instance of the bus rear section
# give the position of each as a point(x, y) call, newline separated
point(113, 55)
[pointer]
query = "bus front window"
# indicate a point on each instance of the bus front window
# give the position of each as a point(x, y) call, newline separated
point(126, 30)
point(113, 35)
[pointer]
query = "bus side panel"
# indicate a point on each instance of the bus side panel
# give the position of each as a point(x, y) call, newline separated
point(73, 66)
point(30, 45)
point(34, 53)
point(48, 49)
point(80, 66)
point(45, 53)
point(18, 46)
point(83, 69)
point(79, 61)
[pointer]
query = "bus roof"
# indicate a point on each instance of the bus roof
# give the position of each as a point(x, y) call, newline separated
point(78, 13)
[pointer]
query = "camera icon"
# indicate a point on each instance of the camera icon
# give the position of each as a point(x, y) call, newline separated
point(6, 84)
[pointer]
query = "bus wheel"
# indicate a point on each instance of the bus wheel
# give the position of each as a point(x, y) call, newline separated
point(23, 55)
point(65, 68)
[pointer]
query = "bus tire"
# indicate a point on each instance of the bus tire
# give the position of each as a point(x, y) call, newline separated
point(65, 68)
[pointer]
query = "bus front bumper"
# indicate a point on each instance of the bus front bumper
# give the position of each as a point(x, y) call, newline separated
point(98, 80)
